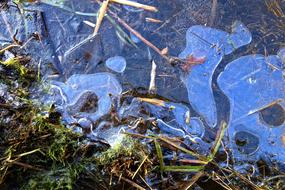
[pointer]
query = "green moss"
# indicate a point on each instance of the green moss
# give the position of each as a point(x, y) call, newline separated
point(36, 151)
point(127, 158)
point(15, 63)
point(128, 147)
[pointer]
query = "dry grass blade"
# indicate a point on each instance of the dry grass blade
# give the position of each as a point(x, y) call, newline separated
point(275, 8)
point(202, 158)
point(27, 166)
point(153, 20)
point(250, 183)
point(138, 35)
point(102, 12)
point(8, 47)
point(132, 183)
point(135, 4)
point(219, 180)
point(184, 161)
point(139, 167)
point(153, 101)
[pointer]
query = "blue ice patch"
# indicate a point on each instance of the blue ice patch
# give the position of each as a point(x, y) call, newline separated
point(214, 44)
point(117, 64)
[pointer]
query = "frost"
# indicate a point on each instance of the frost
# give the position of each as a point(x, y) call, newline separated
point(213, 44)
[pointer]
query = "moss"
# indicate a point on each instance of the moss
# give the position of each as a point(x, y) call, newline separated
point(15, 63)
point(36, 151)
point(127, 158)
point(128, 147)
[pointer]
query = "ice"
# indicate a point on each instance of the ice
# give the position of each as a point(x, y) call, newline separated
point(117, 64)
point(196, 127)
point(174, 119)
point(255, 87)
point(87, 96)
point(212, 44)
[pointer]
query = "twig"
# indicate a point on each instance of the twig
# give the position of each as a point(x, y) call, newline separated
point(153, 20)
point(102, 12)
point(264, 107)
point(135, 4)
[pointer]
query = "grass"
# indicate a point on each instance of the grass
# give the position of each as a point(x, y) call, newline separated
point(38, 152)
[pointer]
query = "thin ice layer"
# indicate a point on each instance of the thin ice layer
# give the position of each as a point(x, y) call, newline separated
point(78, 89)
point(26, 27)
point(117, 64)
point(211, 44)
point(255, 86)
point(173, 119)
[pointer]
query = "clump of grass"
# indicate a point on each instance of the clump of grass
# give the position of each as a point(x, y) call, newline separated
point(40, 153)
point(127, 160)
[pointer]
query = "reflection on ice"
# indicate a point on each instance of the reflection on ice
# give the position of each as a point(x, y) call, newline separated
point(255, 86)
point(88, 90)
point(214, 44)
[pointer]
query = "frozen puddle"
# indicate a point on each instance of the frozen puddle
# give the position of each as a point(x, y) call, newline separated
point(255, 87)
point(174, 119)
point(212, 45)
point(87, 96)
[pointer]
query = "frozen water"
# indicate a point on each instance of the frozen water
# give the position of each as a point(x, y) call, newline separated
point(212, 44)
point(196, 127)
point(255, 87)
point(14, 24)
point(81, 91)
point(252, 82)
point(174, 119)
point(117, 64)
